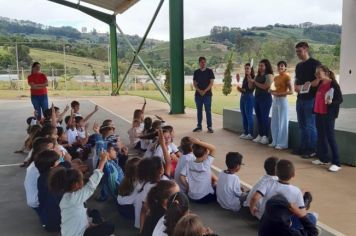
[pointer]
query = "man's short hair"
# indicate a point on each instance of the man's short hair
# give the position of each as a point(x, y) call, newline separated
point(74, 103)
point(302, 45)
point(285, 170)
point(202, 59)
point(270, 165)
point(198, 151)
point(233, 159)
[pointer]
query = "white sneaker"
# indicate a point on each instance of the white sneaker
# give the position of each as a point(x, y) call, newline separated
point(334, 168)
point(272, 145)
point(248, 137)
point(279, 148)
point(264, 140)
point(243, 136)
point(318, 162)
point(257, 139)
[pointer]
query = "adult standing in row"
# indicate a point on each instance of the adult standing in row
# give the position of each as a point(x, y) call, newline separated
point(247, 101)
point(203, 80)
point(305, 75)
point(38, 83)
point(280, 120)
point(263, 99)
point(327, 105)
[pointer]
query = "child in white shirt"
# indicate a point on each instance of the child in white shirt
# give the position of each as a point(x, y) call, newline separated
point(74, 215)
point(186, 148)
point(196, 176)
point(270, 176)
point(285, 172)
point(134, 135)
point(228, 190)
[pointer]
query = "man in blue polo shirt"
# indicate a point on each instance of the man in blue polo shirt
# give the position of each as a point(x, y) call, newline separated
point(203, 80)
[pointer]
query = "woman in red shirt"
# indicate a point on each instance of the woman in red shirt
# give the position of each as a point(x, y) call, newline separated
point(38, 83)
point(326, 107)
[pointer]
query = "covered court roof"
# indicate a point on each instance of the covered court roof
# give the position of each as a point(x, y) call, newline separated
point(115, 6)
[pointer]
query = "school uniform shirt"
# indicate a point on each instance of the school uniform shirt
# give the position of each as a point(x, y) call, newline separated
point(72, 135)
point(30, 183)
point(228, 191)
point(138, 202)
point(172, 148)
point(180, 165)
point(290, 192)
point(264, 180)
point(73, 213)
point(129, 200)
point(81, 133)
point(160, 228)
point(199, 178)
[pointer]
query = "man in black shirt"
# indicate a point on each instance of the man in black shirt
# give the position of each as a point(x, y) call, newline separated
point(203, 80)
point(304, 75)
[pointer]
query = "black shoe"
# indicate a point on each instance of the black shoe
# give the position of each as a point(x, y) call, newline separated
point(298, 152)
point(308, 198)
point(210, 130)
point(309, 156)
point(197, 129)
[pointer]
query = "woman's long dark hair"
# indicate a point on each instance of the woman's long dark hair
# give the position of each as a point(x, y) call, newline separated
point(268, 66)
point(177, 207)
point(34, 65)
point(252, 71)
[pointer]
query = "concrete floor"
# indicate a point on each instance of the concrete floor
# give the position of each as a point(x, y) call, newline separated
point(326, 187)
point(18, 219)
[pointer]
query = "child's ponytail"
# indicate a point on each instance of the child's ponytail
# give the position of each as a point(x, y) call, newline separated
point(62, 179)
point(177, 207)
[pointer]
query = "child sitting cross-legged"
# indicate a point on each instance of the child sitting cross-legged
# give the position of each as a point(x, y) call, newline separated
point(196, 176)
point(270, 176)
point(285, 171)
point(228, 190)
point(74, 216)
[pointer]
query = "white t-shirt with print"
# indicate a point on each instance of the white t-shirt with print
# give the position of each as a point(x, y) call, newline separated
point(180, 165)
point(228, 191)
point(292, 193)
point(72, 135)
point(198, 175)
point(264, 180)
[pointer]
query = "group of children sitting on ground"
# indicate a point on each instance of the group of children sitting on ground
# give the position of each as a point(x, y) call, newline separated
point(153, 188)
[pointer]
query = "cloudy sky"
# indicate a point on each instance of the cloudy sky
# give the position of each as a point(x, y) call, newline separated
point(199, 16)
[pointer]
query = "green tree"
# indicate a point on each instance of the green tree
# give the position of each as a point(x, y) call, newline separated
point(227, 77)
point(167, 81)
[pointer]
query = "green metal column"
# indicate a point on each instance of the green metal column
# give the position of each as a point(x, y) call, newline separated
point(176, 39)
point(113, 53)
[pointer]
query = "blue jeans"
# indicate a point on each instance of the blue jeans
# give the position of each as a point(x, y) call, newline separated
point(325, 125)
point(246, 107)
point(279, 122)
point(263, 103)
point(40, 104)
point(206, 101)
point(296, 222)
point(306, 121)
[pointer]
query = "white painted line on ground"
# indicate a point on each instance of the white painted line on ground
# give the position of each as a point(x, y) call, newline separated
point(217, 169)
point(110, 111)
point(8, 165)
